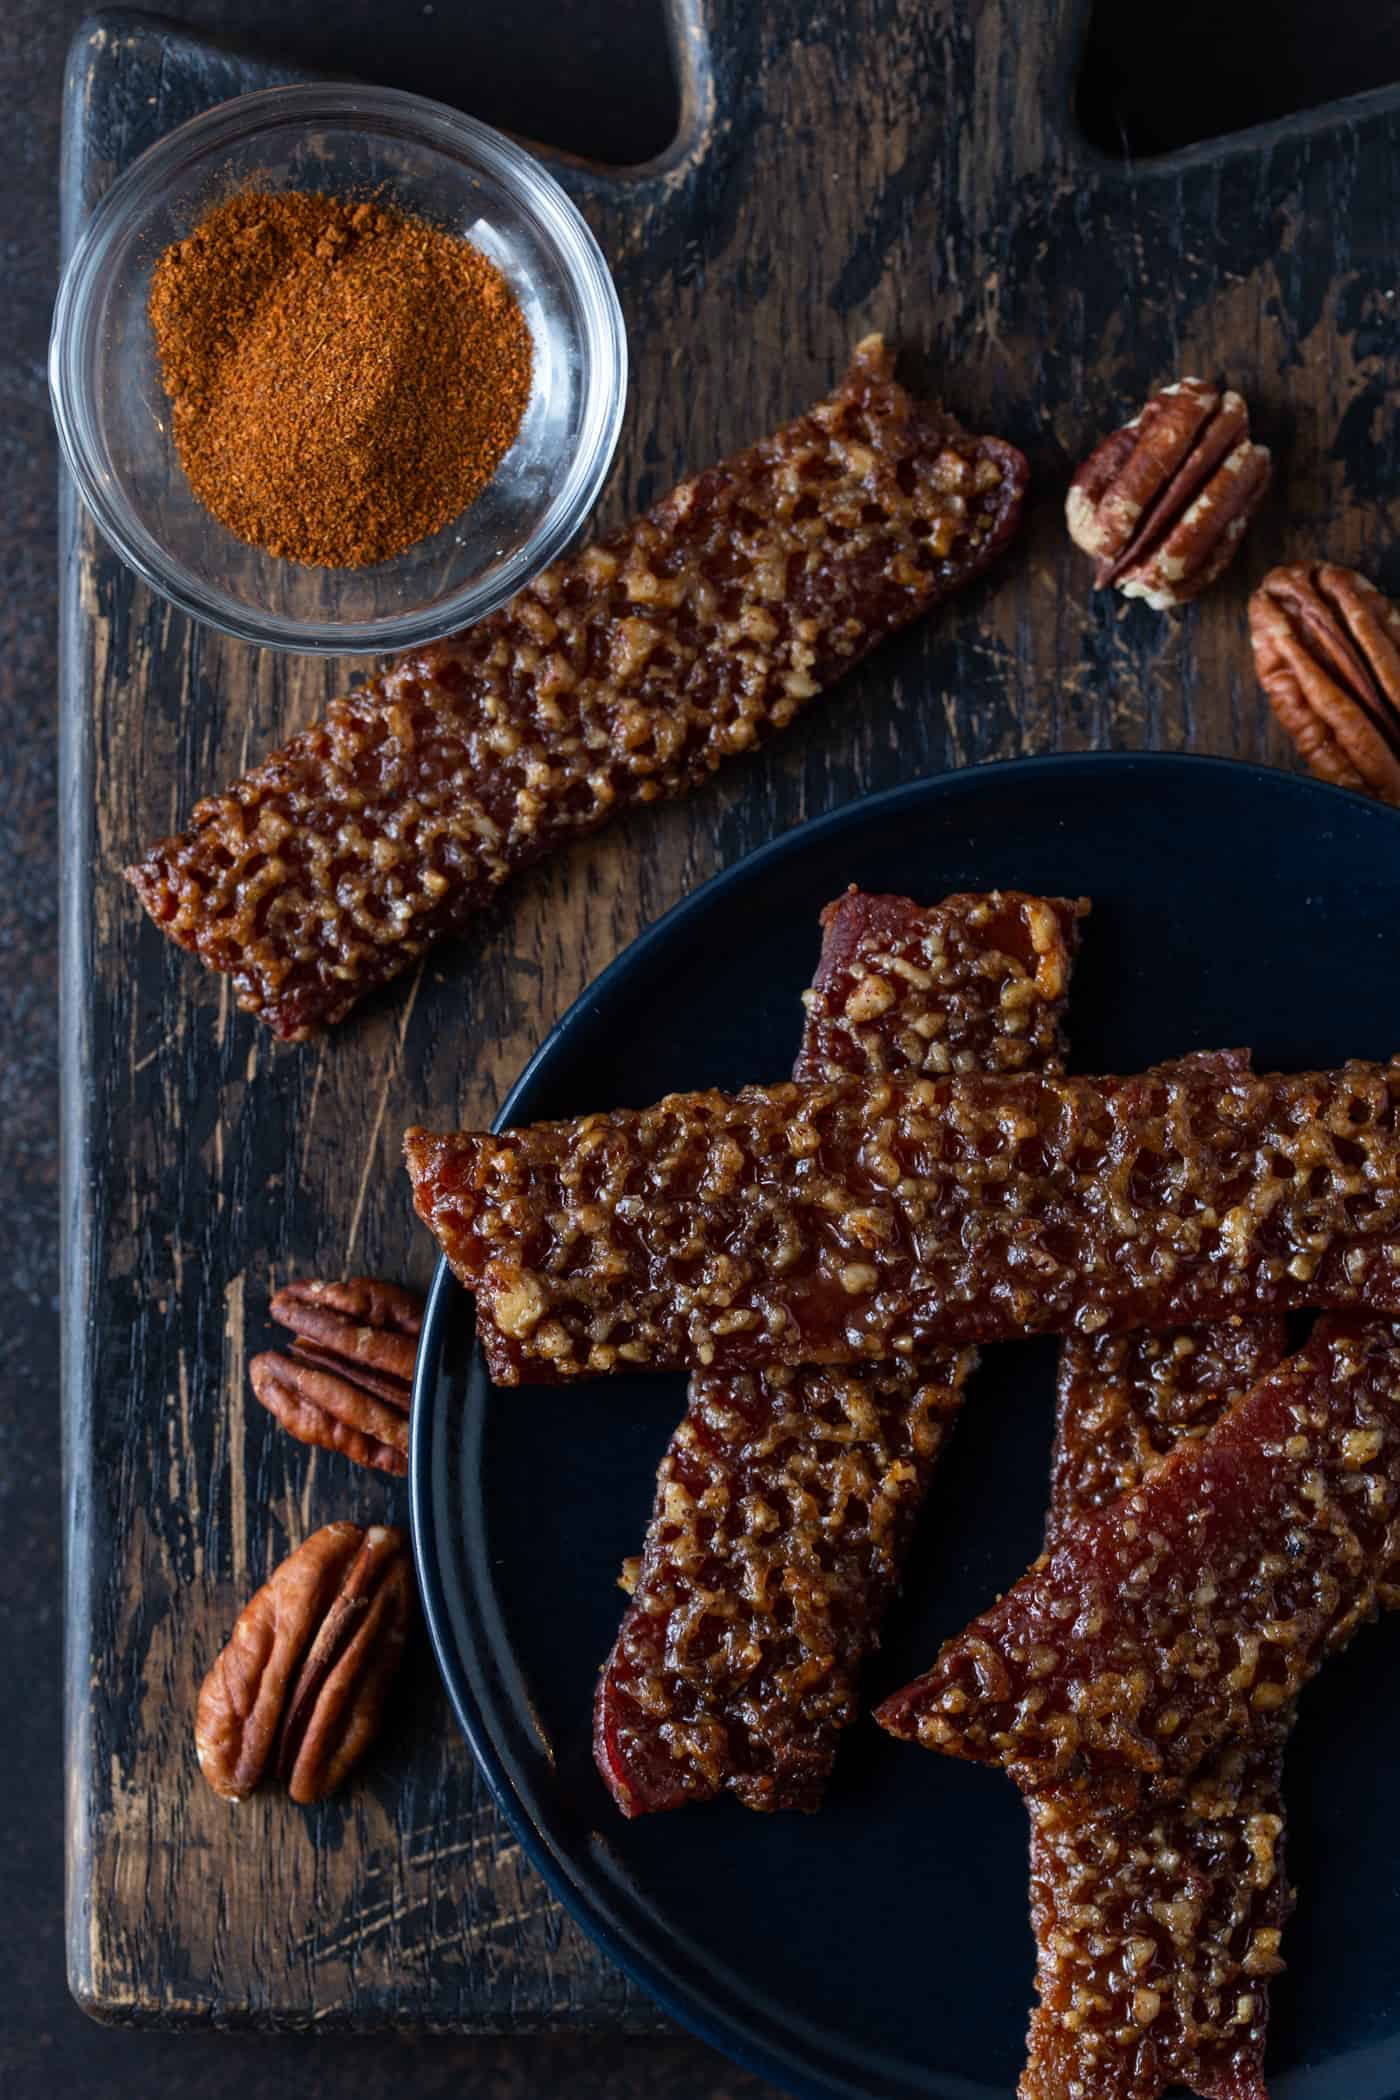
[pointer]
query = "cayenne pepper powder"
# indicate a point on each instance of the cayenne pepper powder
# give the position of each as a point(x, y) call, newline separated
point(345, 378)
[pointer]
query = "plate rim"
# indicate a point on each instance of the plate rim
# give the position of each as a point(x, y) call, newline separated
point(577, 1892)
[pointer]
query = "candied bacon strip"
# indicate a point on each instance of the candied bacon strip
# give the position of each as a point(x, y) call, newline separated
point(623, 674)
point(1157, 1926)
point(1191, 1612)
point(975, 984)
point(785, 1505)
point(864, 1220)
point(786, 1500)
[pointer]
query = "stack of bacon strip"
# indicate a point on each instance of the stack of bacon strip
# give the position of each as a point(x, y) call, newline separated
point(786, 1500)
point(1222, 1519)
point(626, 673)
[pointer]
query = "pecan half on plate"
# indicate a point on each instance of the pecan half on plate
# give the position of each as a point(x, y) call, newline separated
point(1162, 504)
point(348, 1380)
point(300, 1689)
point(1327, 650)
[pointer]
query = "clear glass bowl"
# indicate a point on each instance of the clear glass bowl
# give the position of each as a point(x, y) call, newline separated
point(114, 419)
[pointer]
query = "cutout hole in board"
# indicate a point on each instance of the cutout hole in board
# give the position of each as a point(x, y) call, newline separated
point(1152, 83)
point(592, 77)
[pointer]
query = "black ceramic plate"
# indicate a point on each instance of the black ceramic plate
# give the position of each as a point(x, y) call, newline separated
point(881, 1948)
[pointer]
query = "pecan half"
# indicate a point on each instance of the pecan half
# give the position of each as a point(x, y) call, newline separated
point(1162, 504)
point(348, 1381)
point(1327, 650)
point(300, 1688)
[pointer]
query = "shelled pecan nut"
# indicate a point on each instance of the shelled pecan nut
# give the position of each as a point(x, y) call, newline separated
point(1327, 651)
point(347, 1383)
point(1162, 504)
point(299, 1691)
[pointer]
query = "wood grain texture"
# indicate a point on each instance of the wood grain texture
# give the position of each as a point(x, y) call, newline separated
point(908, 165)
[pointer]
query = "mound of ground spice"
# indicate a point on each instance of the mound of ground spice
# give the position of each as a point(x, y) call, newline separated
point(345, 379)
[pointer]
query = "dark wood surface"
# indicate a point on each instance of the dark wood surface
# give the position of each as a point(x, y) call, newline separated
point(894, 164)
point(590, 74)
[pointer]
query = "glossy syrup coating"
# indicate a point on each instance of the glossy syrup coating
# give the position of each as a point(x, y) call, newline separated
point(1190, 1613)
point(623, 674)
point(875, 1219)
point(786, 1500)
point(1157, 1926)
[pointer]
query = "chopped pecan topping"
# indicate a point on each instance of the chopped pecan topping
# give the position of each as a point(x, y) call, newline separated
point(300, 1689)
point(1162, 504)
point(348, 1381)
point(1327, 650)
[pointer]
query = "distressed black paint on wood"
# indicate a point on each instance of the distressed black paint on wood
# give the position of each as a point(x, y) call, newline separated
point(902, 164)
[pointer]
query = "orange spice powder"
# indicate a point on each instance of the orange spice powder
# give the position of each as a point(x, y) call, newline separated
point(345, 379)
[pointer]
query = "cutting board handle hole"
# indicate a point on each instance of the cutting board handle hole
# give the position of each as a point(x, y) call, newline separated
point(1150, 84)
point(597, 81)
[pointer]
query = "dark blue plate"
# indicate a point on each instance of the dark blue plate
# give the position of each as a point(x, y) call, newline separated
point(882, 1947)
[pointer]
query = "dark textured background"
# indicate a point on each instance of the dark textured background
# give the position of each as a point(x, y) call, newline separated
point(591, 75)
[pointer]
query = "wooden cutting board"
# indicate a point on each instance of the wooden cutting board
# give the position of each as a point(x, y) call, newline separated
point(909, 165)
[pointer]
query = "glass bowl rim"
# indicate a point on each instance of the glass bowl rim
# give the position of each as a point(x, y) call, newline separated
point(462, 139)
